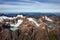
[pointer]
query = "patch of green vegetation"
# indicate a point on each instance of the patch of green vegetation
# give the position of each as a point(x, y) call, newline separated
point(13, 28)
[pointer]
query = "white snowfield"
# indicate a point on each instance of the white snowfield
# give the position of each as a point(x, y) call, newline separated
point(20, 16)
point(48, 19)
point(5, 17)
point(31, 19)
point(2, 18)
point(17, 24)
point(10, 18)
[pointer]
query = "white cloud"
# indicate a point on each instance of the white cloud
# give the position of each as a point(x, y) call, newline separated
point(54, 0)
point(33, 6)
point(28, 10)
point(48, 1)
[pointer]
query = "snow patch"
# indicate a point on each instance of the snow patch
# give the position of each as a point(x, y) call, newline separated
point(48, 19)
point(31, 19)
point(17, 24)
point(20, 16)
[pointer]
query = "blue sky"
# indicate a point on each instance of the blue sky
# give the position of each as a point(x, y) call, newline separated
point(29, 6)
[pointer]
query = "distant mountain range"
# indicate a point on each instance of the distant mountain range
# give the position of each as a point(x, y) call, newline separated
point(30, 14)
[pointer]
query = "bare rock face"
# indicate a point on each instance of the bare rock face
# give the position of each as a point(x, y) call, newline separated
point(3, 34)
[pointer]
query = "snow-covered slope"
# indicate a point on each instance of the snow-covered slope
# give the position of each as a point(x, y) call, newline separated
point(48, 19)
point(17, 24)
point(31, 19)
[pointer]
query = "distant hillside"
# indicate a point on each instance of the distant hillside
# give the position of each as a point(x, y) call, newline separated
point(58, 14)
point(30, 14)
point(38, 14)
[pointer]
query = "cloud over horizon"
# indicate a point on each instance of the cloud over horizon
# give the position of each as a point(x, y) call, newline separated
point(29, 6)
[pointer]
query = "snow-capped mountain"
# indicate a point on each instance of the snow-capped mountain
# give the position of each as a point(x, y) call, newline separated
point(17, 20)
